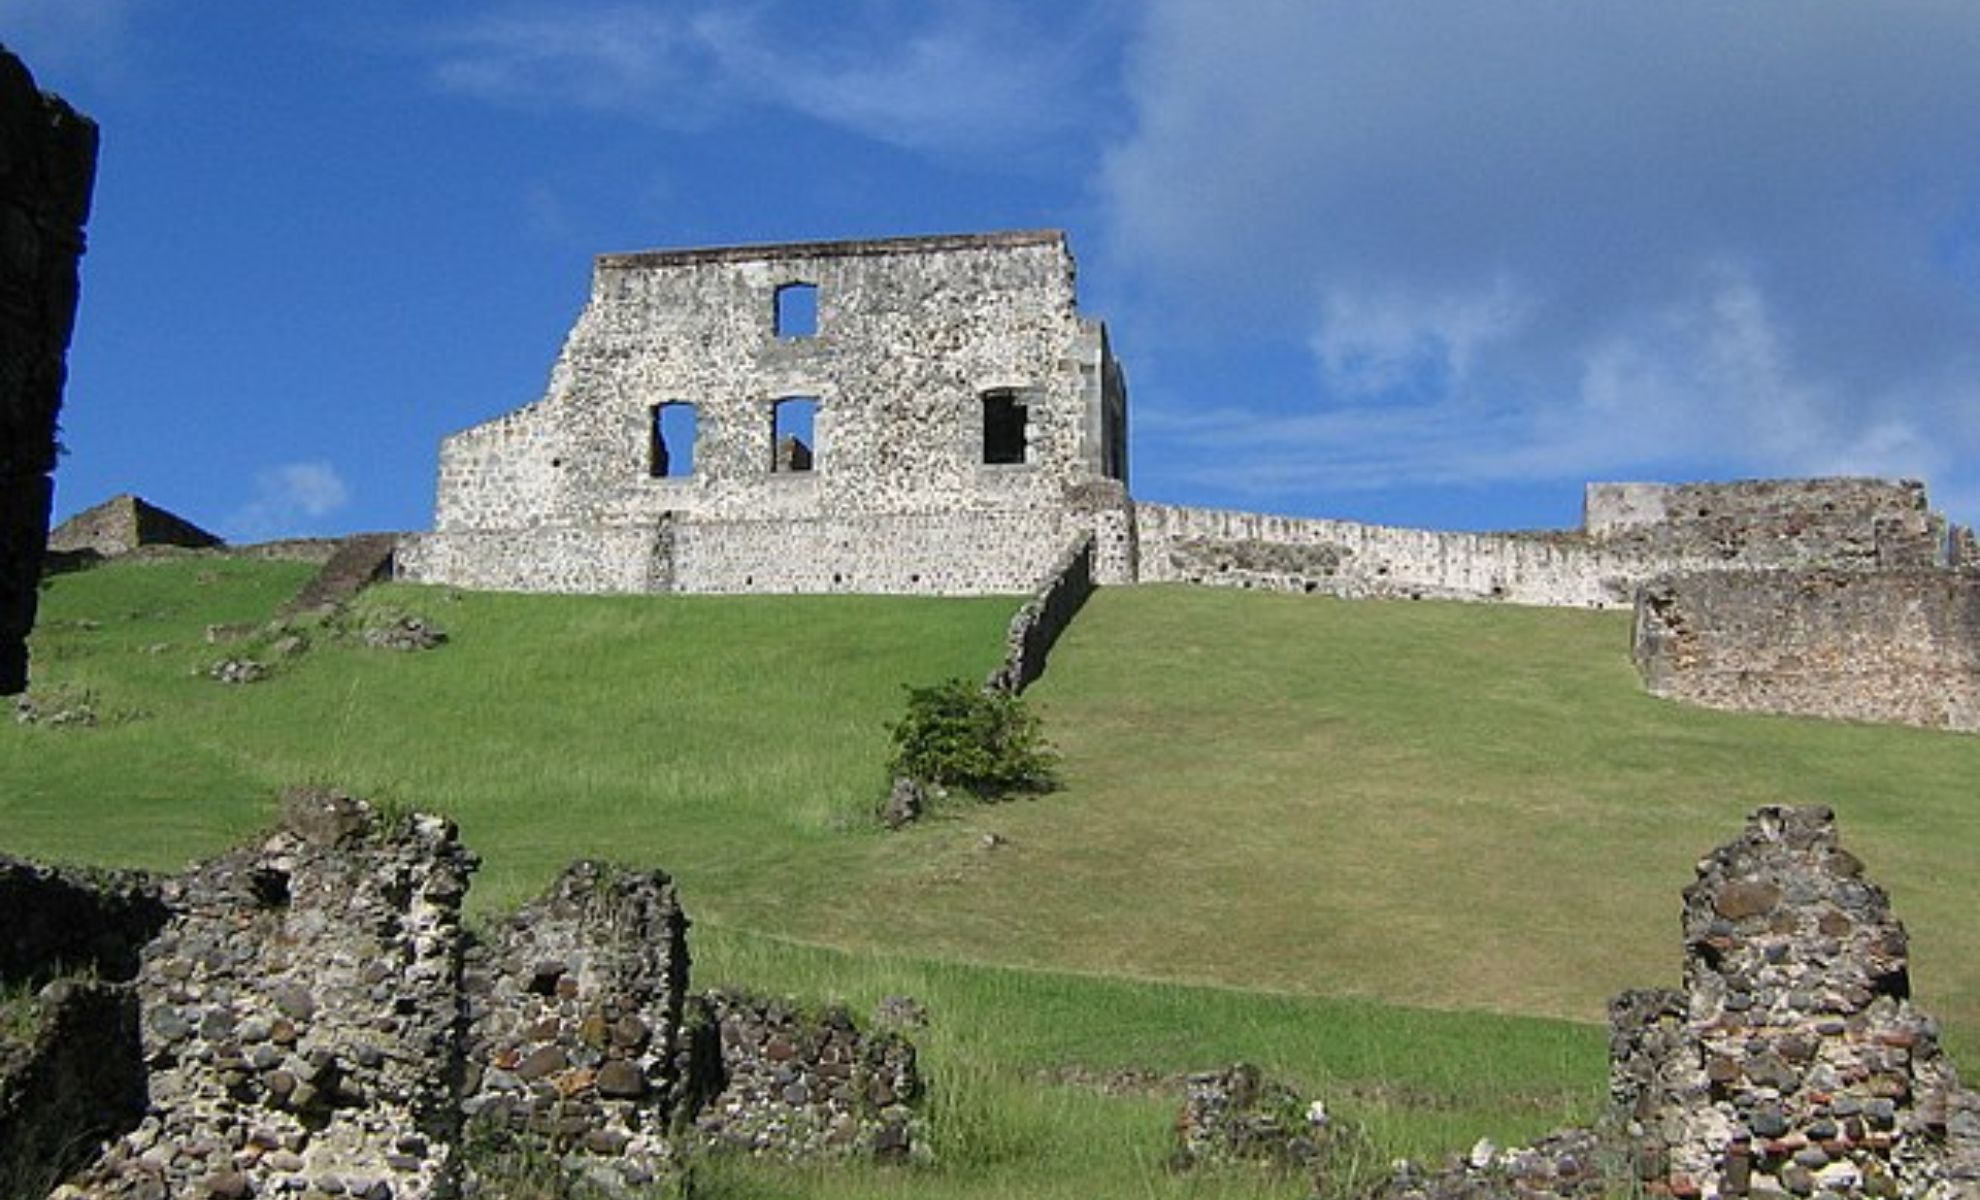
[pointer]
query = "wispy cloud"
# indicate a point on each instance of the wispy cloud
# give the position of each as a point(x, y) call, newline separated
point(289, 500)
point(951, 77)
point(1531, 240)
point(70, 37)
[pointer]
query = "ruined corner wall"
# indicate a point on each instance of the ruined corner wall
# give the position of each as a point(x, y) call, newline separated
point(1793, 1061)
point(911, 336)
point(1631, 532)
point(47, 172)
point(1899, 646)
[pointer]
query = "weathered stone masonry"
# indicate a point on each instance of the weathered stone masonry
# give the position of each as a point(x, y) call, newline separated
point(306, 1016)
point(47, 172)
point(963, 411)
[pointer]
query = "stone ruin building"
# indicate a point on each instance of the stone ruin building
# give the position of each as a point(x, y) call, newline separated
point(908, 415)
point(933, 415)
point(47, 173)
point(122, 524)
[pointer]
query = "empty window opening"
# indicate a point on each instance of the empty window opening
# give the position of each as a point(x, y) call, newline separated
point(670, 448)
point(797, 310)
point(793, 433)
point(1004, 419)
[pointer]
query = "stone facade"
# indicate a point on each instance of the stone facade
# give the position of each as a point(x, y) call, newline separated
point(959, 410)
point(1896, 646)
point(122, 524)
point(47, 173)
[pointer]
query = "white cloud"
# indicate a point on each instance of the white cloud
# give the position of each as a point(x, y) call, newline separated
point(1534, 240)
point(953, 77)
point(290, 499)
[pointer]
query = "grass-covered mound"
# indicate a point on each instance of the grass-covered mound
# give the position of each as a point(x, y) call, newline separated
point(1291, 829)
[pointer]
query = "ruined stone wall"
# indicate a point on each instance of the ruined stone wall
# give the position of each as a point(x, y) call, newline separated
point(1347, 558)
point(911, 336)
point(1632, 532)
point(122, 524)
point(1900, 646)
point(47, 172)
point(1036, 626)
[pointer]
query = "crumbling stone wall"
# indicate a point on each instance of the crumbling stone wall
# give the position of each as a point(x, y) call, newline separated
point(798, 1084)
point(47, 172)
point(1036, 626)
point(914, 338)
point(1631, 532)
point(1792, 1062)
point(1900, 646)
point(576, 1017)
point(306, 1016)
point(300, 1017)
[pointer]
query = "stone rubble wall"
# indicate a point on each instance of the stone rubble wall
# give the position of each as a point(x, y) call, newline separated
point(299, 1018)
point(1036, 626)
point(1631, 533)
point(1800, 1063)
point(1792, 1062)
point(307, 1017)
point(794, 1084)
point(1898, 646)
point(47, 173)
point(575, 1008)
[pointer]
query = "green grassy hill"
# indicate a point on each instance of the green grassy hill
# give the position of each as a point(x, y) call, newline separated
point(1401, 853)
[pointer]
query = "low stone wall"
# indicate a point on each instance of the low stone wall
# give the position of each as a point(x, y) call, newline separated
point(576, 1017)
point(1631, 532)
point(1347, 558)
point(1036, 627)
point(299, 1017)
point(796, 1084)
point(1900, 646)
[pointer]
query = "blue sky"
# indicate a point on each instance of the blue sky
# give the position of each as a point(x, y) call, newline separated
point(1420, 261)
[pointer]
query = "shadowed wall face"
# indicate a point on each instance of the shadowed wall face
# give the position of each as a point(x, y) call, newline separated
point(47, 171)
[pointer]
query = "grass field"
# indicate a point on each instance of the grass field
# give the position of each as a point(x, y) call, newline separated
point(1401, 853)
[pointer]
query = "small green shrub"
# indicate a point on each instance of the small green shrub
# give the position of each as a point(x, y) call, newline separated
point(955, 735)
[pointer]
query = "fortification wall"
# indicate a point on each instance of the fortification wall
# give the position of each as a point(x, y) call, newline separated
point(1347, 558)
point(122, 524)
point(1036, 626)
point(1899, 646)
point(1633, 532)
point(47, 172)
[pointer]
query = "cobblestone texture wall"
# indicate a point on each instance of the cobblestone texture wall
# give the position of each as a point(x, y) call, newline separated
point(1632, 532)
point(1901, 646)
point(47, 172)
point(911, 336)
point(576, 1010)
point(1792, 1063)
point(306, 1017)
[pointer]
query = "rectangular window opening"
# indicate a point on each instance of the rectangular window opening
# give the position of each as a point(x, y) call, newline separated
point(1004, 433)
point(793, 434)
point(797, 310)
point(670, 448)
